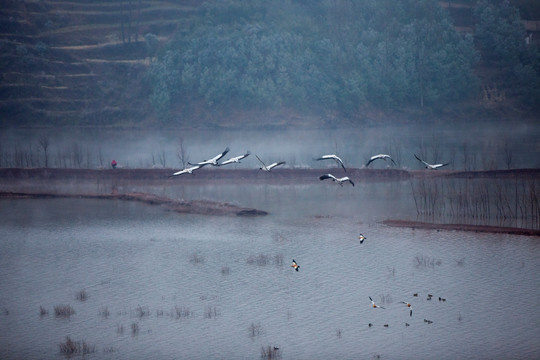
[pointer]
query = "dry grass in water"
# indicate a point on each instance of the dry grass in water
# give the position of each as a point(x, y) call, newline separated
point(43, 311)
point(270, 352)
point(182, 312)
point(423, 261)
point(104, 312)
point(255, 330)
point(142, 311)
point(63, 311)
point(71, 347)
point(81, 295)
point(263, 260)
point(196, 259)
point(211, 312)
point(135, 329)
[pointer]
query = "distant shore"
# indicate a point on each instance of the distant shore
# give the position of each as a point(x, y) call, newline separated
point(200, 207)
point(461, 227)
point(278, 175)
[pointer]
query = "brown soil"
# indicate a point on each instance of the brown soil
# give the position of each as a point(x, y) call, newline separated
point(461, 227)
point(201, 207)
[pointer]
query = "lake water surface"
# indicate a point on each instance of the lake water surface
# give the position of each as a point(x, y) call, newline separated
point(167, 286)
point(161, 285)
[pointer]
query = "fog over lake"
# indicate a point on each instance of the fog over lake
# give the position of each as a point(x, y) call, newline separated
point(144, 282)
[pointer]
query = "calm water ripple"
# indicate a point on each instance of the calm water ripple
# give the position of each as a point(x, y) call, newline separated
point(166, 286)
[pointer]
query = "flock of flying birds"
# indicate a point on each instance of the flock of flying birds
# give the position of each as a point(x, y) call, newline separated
point(215, 162)
point(339, 180)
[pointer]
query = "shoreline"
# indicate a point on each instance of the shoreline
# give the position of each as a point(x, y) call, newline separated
point(283, 175)
point(460, 227)
point(199, 207)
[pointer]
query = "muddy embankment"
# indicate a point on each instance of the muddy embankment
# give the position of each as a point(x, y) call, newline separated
point(201, 207)
point(461, 227)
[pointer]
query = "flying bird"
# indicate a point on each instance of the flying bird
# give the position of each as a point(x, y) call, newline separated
point(340, 181)
point(380, 156)
point(333, 157)
point(235, 159)
point(362, 238)
point(295, 266)
point(430, 166)
point(269, 167)
point(213, 161)
point(189, 170)
point(373, 303)
point(408, 305)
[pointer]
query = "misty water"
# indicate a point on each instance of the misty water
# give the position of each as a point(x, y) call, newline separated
point(166, 285)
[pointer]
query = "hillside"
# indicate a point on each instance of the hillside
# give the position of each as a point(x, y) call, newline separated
point(80, 62)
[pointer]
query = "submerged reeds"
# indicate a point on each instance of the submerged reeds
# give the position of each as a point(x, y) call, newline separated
point(482, 200)
point(63, 311)
point(70, 347)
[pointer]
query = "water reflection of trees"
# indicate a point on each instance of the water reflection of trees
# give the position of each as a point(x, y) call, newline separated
point(482, 201)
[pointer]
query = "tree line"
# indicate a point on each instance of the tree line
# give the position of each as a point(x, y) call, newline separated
point(338, 55)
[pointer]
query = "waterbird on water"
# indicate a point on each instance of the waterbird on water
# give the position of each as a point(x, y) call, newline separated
point(213, 161)
point(186, 171)
point(373, 303)
point(362, 238)
point(269, 167)
point(380, 156)
point(295, 266)
point(333, 157)
point(430, 166)
point(340, 181)
point(235, 159)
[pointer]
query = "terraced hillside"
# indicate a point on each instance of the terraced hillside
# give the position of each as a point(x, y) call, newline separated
point(81, 62)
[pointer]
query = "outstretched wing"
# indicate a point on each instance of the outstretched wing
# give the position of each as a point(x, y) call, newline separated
point(425, 163)
point(262, 162)
point(327, 176)
point(218, 157)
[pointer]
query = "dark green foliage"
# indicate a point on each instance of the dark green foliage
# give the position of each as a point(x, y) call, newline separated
point(501, 37)
point(328, 55)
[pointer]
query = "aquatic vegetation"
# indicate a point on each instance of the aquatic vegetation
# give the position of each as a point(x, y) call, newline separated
point(211, 312)
point(270, 352)
point(104, 312)
point(182, 312)
point(43, 311)
point(63, 311)
point(71, 347)
point(424, 261)
point(135, 329)
point(81, 295)
point(263, 259)
point(255, 330)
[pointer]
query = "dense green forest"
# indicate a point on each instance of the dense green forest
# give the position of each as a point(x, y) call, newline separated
point(342, 55)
